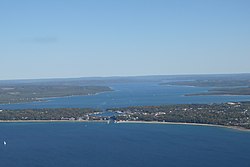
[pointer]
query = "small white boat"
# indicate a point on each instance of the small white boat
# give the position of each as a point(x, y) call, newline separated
point(4, 143)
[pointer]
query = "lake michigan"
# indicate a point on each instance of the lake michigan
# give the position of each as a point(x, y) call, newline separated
point(130, 94)
point(123, 145)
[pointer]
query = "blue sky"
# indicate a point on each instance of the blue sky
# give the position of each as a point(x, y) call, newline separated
point(77, 38)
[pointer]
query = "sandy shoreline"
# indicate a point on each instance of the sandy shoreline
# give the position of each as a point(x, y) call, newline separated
point(130, 122)
point(191, 124)
point(47, 121)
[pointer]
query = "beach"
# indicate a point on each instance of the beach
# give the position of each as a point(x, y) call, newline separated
point(129, 122)
point(189, 124)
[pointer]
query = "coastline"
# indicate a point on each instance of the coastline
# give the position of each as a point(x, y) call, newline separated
point(129, 122)
point(46, 99)
point(189, 124)
point(48, 121)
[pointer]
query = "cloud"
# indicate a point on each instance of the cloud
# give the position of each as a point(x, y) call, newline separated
point(44, 40)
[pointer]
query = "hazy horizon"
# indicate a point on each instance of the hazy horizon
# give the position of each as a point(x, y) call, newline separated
point(70, 39)
point(126, 76)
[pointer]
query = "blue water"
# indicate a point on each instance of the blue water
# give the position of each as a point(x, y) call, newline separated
point(123, 145)
point(134, 94)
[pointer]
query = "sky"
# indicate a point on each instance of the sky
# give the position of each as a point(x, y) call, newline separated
point(84, 38)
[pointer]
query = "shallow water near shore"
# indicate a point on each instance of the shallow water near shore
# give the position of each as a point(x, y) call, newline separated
point(101, 144)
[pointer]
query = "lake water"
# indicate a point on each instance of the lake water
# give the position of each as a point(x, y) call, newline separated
point(123, 145)
point(133, 94)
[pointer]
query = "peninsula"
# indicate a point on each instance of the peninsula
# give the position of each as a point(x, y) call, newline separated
point(217, 86)
point(19, 93)
point(231, 114)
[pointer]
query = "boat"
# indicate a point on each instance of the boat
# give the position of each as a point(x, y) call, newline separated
point(4, 143)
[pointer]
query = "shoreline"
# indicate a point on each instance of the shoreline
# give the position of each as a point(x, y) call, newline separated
point(48, 121)
point(129, 122)
point(46, 99)
point(189, 124)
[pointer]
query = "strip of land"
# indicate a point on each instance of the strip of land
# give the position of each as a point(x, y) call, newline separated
point(48, 121)
point(133, 122)
point(233, 115)
point(21, 93)
point(191, 124)
point(217, 87)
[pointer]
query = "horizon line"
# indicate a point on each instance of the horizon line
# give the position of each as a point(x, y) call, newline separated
point(122, 76)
